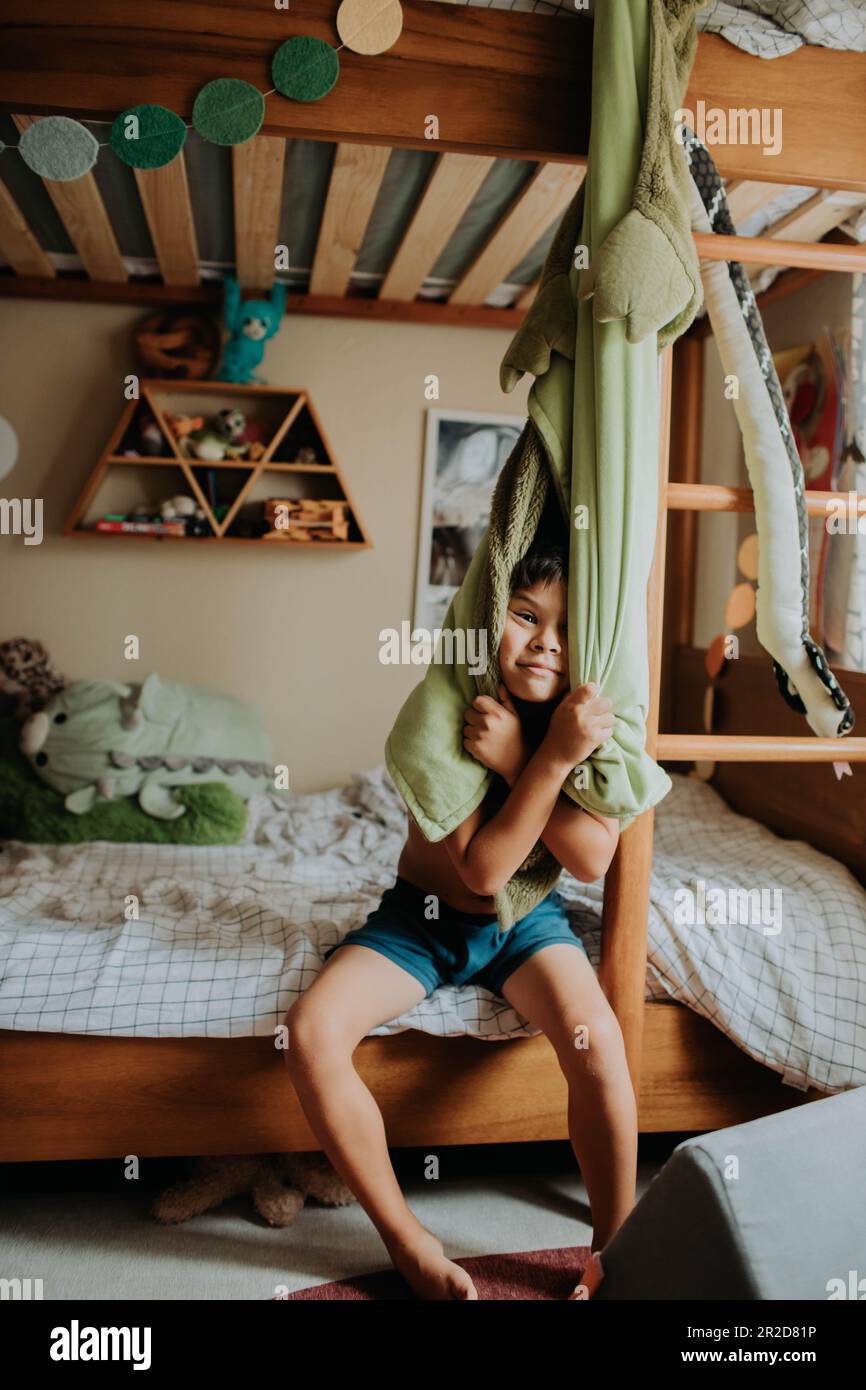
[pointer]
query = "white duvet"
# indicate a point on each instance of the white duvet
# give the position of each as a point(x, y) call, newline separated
point(764, 937)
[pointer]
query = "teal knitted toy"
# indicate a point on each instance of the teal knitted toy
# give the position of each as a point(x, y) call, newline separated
point(104, 739)
point(250, 325)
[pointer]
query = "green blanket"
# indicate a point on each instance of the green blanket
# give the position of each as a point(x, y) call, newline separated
point(591, 339)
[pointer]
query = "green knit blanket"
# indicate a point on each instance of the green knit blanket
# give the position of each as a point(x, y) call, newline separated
point(589, 447)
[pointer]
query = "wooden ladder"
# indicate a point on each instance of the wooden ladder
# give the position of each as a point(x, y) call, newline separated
point(625, 912)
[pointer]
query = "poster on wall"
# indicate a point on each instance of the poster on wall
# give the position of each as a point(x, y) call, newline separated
point(463, 456)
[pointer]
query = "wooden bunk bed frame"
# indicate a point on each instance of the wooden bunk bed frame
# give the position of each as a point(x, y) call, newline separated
point(66, 1096)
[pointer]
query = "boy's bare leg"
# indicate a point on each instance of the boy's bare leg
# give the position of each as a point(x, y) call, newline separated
point(557, 991)
point(357, 989)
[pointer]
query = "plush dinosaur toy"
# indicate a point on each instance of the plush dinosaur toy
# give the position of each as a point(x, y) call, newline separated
point(250, 325)
point(105, 739)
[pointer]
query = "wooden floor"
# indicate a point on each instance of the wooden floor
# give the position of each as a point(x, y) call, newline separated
point(69, 1097)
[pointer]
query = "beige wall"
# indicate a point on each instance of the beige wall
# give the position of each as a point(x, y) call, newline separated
point(297, 632)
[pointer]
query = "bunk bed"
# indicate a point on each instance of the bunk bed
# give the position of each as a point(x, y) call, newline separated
point(67, 1095)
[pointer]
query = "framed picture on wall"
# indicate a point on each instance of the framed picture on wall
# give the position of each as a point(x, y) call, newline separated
point(463, 456)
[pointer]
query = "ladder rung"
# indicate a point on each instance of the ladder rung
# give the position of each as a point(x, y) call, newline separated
point(759, 250)
point(749, 748)
point(714, 497)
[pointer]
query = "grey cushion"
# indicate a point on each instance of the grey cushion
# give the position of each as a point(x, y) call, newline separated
point(771, 1209)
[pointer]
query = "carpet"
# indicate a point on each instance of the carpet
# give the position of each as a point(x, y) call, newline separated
point(524, 1274)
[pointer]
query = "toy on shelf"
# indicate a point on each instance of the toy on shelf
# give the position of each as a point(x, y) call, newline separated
point(146, 439)
point(303, 519)
point(180, 346)
point(221, 439)
point(250, 325)
point(182, 425)
point(175, 516)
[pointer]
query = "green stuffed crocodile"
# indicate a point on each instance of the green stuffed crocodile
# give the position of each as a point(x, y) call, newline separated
point(105, 739)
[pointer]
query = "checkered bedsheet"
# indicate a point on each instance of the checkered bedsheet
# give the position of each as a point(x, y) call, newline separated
point(226, 938)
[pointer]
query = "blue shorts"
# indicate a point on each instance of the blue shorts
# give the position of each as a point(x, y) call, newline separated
point(457, 948)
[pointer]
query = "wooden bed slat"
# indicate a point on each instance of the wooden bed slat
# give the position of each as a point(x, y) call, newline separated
point(541, 203)
point(356, 177)
point(455, 180)
point(257, 198)
point(166, 202)
point(747, 196)
point(811, 220)
point(17, 243)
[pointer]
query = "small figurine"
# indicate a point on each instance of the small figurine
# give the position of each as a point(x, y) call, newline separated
point(218, 440)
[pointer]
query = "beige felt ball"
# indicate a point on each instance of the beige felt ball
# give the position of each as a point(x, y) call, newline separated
point(747, 557)
point(369, 26)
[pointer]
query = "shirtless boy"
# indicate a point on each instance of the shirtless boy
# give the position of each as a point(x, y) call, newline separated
point(532, 738)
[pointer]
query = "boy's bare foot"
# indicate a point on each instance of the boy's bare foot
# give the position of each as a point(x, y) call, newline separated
point(421, 1260)
point(589, 1279)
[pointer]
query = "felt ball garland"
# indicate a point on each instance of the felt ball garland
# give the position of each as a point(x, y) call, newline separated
point(147, 137)
point(226, 111)
point(305, 69)
point(58, 148)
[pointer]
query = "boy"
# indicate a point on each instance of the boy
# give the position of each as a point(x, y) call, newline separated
point(532, 738)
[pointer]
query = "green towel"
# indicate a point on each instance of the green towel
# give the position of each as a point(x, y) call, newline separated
point(591, 442)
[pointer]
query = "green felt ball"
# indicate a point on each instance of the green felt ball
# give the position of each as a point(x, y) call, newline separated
point(58, 148)
point(228, 111)
point(304, 68)
point(147, 137)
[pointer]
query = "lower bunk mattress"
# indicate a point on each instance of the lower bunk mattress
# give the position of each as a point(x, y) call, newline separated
point(764, 937)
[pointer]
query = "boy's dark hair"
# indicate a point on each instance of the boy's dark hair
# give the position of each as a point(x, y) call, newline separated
point(545, 562)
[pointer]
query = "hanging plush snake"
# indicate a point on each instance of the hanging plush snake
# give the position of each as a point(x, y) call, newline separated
point(709, 185)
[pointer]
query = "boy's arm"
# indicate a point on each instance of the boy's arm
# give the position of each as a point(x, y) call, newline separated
point(583, 841)
point(487, 854)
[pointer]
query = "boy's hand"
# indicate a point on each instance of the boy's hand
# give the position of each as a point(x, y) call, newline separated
point(581, 722)
point(493, 734)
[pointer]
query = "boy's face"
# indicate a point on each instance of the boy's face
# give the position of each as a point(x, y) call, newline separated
point(533, 653)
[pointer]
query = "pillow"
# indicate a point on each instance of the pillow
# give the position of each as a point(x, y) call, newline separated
point(31, 811)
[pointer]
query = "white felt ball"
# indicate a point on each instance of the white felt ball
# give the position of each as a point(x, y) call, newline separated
point(369, 26)
point(8, 447)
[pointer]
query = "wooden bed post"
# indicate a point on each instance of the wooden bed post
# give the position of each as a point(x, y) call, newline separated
point(687, 401)
point(627, 883)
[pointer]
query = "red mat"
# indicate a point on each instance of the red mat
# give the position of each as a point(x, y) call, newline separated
point(524, 1274)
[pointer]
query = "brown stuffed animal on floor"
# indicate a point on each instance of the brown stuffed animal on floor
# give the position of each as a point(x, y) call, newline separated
point(278, 1183)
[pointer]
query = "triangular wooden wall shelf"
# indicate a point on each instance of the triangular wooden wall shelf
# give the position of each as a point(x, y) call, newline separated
point(288, 421)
